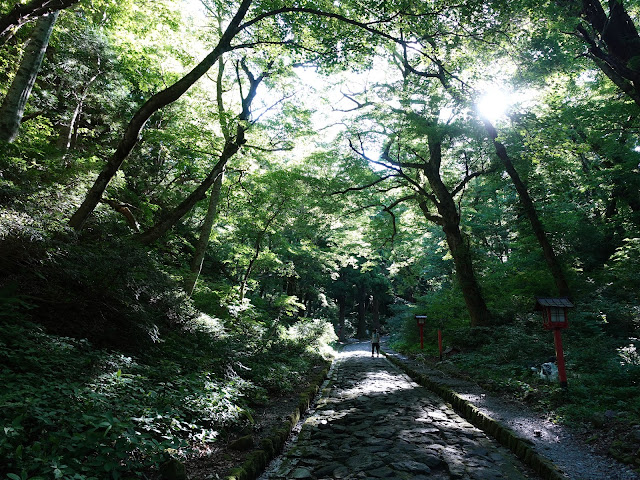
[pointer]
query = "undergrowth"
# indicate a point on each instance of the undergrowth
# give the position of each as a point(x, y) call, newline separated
point(72, 411)
point(108, 370)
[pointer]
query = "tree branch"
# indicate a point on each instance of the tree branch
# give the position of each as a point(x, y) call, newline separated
point(363, 187)
point(320, 13)
point(21, 14)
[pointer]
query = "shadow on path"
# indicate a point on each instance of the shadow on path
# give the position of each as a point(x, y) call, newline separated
point(547, 447)
point(375, 422)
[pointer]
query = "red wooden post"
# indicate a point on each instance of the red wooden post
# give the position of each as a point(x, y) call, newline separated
point(440, 342)
point(562, 373)
point(555, 317)
point(421, 337)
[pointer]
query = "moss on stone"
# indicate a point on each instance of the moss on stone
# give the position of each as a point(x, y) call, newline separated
point(268, 446)
point(173, 469)
point(242, 444)
point(521, 449)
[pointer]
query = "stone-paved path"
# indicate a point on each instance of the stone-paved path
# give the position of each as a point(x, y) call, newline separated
point(375, 422)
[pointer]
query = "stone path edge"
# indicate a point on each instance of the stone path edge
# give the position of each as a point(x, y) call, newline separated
point(272, 445)
point(505, 436)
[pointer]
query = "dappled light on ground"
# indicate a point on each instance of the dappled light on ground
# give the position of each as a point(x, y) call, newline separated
point(377, 423)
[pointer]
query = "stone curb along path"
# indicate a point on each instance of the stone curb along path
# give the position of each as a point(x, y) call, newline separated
point(373, 421)
point(550, 449)
point(272, 445)
point(520, 446)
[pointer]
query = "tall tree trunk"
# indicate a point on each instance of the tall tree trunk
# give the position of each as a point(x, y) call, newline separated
point(462, 258)
point(155, 103)
point(342, 309)
point(529, 208)
point(205, 233)
point(21, 14)
point(69, 131)
point(375, 312)
point(247, 273)
point(362, 308)
point(458, 244)
point(14, 103)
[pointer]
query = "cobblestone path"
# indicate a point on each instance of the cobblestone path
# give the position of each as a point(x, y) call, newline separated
point(375, 422)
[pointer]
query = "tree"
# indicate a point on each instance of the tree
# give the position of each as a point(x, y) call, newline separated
point(155, 103)
point(14, 103)
point(530, 210)
point(338, 22)
point(412, 161)
point(440, 70)
point(21, 14)
point(429, 189)
point(232, 145)
point(205, 232)
point(613, 42)
point(449, 218)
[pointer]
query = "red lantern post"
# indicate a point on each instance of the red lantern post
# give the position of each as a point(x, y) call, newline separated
point(421, 319)
point(562, 373)
point(555, 317)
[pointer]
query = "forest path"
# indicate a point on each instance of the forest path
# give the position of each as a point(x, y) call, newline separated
point(373, 421)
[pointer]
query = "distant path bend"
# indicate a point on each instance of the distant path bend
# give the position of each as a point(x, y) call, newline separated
point(375, 422)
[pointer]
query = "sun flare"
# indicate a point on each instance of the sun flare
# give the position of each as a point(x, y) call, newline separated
point(494, 103)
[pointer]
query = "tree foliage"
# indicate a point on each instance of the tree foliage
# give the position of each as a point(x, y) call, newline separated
point(356, 184)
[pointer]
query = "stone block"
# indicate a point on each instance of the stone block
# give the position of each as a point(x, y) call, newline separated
point(242, 444)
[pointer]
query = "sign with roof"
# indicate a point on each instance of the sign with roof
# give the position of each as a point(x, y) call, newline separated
point(554, 312)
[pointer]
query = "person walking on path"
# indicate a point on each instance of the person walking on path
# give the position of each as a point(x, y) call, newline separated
point(375, 342)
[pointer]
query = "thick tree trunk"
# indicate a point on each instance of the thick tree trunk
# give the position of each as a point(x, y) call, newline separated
point(155, 103)
point(14, 103)
point(617, 30)
point(205, 233)
point(461, 253)
point(21, 14)
point(613, 42)
point(532, 214)
point(458, 245)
